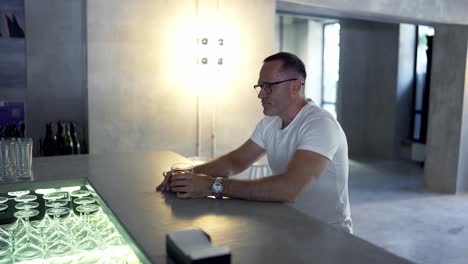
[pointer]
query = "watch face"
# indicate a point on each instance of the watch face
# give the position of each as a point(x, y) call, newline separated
point(217, 187)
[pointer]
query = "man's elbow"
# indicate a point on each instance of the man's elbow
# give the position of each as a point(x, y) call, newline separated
point(290, 196)
point(291, 193)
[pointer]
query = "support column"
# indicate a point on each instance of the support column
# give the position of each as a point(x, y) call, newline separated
point(447, 139)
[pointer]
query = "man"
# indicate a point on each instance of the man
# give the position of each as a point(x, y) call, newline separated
point(305, 146)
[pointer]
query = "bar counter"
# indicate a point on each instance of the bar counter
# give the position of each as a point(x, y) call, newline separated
point(256, 232)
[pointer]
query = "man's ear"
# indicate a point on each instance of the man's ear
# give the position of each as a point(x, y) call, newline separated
point(296, 89)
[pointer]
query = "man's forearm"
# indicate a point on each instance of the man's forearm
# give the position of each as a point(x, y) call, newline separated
point(223, 166)
point(273, 189)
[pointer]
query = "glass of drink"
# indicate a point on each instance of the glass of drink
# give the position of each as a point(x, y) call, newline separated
point(178, 169)
point(181, 168)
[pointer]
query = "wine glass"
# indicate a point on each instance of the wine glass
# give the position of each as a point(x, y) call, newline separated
point(24, 200)
point(3, 205)
point(52, 199)
point(26, 247)
point(27, 231)
point(80, 223)
point(3, 200)
point(18, 193)
point(76, 222)
point(45, 191)
point(87, 241)
point(6, 243)
point(59, 243)
point(80, 193)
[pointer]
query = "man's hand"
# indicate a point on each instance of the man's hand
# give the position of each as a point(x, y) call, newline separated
point(164, 186)
point(191, 185)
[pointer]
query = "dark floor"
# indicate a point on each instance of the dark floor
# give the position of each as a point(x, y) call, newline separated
point(391, 209)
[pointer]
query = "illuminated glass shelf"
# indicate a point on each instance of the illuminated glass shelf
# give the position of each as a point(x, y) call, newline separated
point(68, 224)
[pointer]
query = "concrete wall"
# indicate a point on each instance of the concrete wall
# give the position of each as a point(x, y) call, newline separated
point(447, 149)
point(314, 59)
point(462, 176)
point(405, 82)
point(13, 94)
point(55, 58)
point(304, 37)
point(143, 79)
point(419, 11)
point(367, 87)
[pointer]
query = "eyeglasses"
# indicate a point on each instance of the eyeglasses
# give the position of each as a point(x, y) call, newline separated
point(267, 86)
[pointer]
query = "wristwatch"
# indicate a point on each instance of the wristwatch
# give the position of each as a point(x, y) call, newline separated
point(217, 187)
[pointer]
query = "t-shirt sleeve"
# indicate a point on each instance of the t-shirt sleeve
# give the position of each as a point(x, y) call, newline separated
point(321, 135)
point(257, 134)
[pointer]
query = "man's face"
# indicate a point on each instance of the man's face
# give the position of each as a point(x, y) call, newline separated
point(276, 102)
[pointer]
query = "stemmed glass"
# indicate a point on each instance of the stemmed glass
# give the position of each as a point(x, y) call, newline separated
point(21, 197)
point(76, 223)
point(46, 221)
point(87, 242)
point(26, 203)
point(5, 240)
point(18, 193)
point(3, 205)
point(59, 243)
point(27, 248)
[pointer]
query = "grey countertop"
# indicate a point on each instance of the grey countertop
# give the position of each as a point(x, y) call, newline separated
point(256, 232)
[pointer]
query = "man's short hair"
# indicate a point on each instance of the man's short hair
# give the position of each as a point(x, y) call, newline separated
point(290, 62)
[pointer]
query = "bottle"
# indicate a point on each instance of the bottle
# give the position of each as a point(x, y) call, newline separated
point(67, 140)
point(75, 140)
point(50, 140)
point(60, 138)
point(22, 129)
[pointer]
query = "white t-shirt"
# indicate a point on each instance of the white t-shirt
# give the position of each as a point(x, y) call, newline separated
point(316, 130)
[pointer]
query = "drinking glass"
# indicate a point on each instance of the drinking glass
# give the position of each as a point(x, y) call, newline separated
point(18, 225)
point(3, 201)
point(181, 168)
point(43, 224)
point(59, 243)
point(22, 231)
point(80, 193)
point(8, 158)
point(26, 205)
point(76, 222)
point(26, 247)
point(5, 246)
point(1, 160)
point(52, 199)
point(25, 198)
point(3, 207)
point(5, 239)
point(23, 151)
point(80, 223)
point(87, 241)
point(18, 193)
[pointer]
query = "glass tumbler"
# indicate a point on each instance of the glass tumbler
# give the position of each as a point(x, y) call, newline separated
point(23, 151)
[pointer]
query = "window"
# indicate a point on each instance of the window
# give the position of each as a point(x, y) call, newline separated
point(331, 65)
point(422, 73)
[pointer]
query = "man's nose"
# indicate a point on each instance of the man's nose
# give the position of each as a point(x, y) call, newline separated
point(262, 93)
